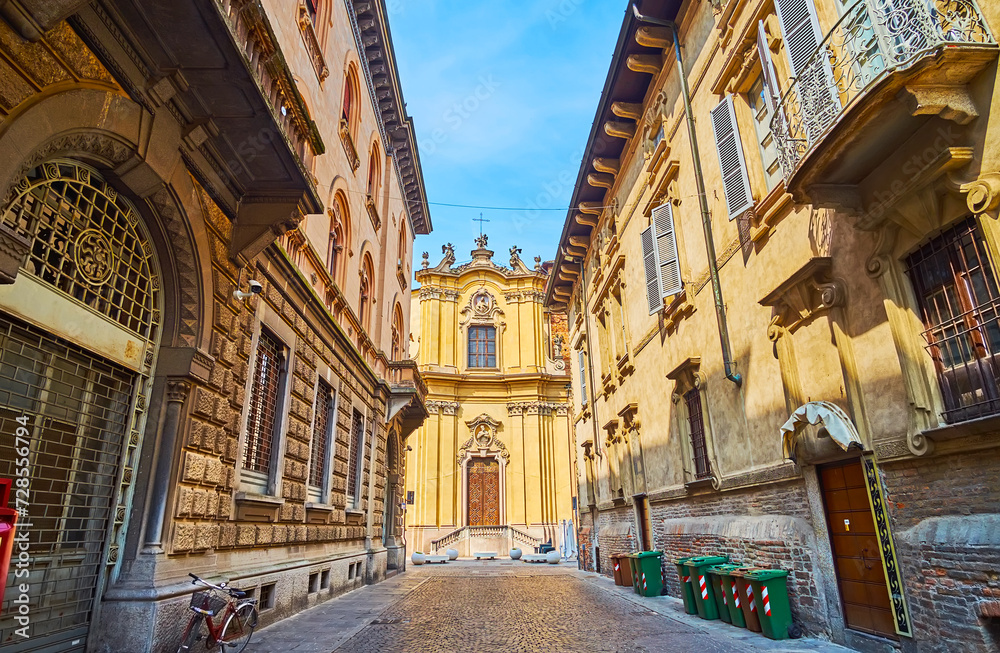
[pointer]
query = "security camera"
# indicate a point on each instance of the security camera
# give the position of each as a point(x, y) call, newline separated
point(255, 289)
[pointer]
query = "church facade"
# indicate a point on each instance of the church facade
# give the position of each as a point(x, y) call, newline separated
point(491, 468)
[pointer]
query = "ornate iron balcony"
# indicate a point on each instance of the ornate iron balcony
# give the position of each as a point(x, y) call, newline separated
point(873, 40)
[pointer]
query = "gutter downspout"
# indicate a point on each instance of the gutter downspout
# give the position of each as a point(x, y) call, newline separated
point(706, 217)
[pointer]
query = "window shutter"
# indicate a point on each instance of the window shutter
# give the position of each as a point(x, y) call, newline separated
point(651, 265)
point(666, 250)
point(735, 181)
point(772, 92)
point(583, 379)
point(800, 26)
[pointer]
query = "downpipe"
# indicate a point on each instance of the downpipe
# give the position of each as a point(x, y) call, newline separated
point(706, 217)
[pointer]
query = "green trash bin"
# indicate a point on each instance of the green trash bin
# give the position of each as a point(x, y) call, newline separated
point(633, 571)
point(687, 589)
point(704, 596)
point(729, 586)
point(748, 599)
point(771, 588)
point(650, 579)
point(714, 578)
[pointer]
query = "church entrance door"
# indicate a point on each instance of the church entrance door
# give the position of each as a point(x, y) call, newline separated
point(484, 492)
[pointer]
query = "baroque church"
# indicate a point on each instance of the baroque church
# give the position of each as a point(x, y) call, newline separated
point(490, 468)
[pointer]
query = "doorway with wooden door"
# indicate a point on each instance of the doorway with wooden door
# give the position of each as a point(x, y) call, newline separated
point(484, 492)
point(854, 542)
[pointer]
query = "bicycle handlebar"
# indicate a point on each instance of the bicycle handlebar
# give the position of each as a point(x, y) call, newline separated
point(224, 587)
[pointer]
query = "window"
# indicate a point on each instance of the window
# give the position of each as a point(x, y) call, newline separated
point(482, 346)
point(312, 7)
point(660, 260)
point(762, 114)
point(397, 333)
point(583, 378)
point(340, 220)
point(348, 111)
point(355, 458)
point(365, 303)
point(320, 441)
point(374, 172)
point(696, 424)
point(732, 163)
point(265, 404)
point(956, 290)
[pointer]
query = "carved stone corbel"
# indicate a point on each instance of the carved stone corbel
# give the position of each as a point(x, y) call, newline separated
point(804, 295)
point(983, 194)
point(878, 260)
point(950, 101)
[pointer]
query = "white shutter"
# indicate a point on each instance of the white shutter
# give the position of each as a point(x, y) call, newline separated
point(733, 164)
point(772, 92)
point(801, 29)
point(651, 266)
point(666, 250)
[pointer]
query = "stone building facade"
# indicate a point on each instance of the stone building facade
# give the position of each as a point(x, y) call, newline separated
point(780, 274)
point(204, 303)
point(491, 468)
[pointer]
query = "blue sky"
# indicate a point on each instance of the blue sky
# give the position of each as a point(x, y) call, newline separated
point(503, 94)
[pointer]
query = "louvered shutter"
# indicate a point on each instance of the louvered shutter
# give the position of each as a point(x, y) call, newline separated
point(735, 181)
point(651, 266)
point(666, 250)
point(817, 92)
point(772, 92)
point(800, 26)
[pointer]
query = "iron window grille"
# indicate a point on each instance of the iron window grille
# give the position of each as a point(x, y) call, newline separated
point(696, 422)
point(355, 453)
point(482, 346)
point(956, 290)
point(268, 379)
point(321, 435)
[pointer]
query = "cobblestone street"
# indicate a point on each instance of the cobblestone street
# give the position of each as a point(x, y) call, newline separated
point(503, 606)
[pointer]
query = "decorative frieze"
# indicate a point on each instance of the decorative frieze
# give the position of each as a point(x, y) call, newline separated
point(447, 407)
point(537, 408)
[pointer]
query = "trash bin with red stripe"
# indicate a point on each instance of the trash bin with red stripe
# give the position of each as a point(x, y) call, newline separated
point(650, 580)
point(618, 565)
point(729, 585)
point(687, 589)
point(748, 597)
point(704, 593)
point(714, 574)
point(771, 588)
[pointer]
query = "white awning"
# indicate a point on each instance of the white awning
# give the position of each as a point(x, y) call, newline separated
point(837, 423)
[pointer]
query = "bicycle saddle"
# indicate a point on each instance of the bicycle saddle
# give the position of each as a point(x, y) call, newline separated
point(239, 594)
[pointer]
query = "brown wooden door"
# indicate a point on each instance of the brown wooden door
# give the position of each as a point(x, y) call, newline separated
point(484, 492)
point(854, 541)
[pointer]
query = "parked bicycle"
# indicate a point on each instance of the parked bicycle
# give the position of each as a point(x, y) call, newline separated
point(223, 618)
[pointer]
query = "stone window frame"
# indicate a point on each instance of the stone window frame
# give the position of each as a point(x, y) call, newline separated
point(686, 377)
point(251, 488)
point(325, 375)
point(356, 457)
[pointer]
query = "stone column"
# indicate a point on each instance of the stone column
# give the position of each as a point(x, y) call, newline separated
point(176, 394)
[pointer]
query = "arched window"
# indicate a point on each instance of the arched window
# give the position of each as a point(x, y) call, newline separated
point(482, 346)
point(366, 295)
point(397, 333)
point(312, 8)
point(349, 109)
point(338, 246)
point(374, 172)
point(401, 247)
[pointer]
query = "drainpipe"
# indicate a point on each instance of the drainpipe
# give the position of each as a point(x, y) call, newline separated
point(706, 217)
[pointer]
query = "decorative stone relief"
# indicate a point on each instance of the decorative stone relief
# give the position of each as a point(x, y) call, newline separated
point(484, 438)
point(804, 295)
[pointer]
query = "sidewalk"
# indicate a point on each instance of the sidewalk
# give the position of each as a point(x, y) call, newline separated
point(443, 607)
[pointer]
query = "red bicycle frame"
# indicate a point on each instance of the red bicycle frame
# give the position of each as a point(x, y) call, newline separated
point(8, 527)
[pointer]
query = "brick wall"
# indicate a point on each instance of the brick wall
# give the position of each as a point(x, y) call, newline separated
point(786, 500)
point(948, 543)
point(612, 543)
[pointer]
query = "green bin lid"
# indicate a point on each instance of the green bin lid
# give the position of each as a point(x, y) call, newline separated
point(680, 561)
point(699, 561)
point(742, 572)
point(723, 569)
point(765, 574)
point(649, 554)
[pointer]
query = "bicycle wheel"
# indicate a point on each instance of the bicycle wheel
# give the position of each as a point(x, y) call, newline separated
point(196, 636)
point(238, 629)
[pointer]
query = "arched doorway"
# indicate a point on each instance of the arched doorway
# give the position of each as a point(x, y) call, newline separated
point(78, 336)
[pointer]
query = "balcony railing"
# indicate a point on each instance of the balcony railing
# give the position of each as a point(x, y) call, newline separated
point(872, 40)
point(404, 375)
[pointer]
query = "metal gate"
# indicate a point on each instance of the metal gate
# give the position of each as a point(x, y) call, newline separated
point(74, 410)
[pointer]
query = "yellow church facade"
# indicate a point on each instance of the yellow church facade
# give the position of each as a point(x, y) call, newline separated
point(491, 467)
